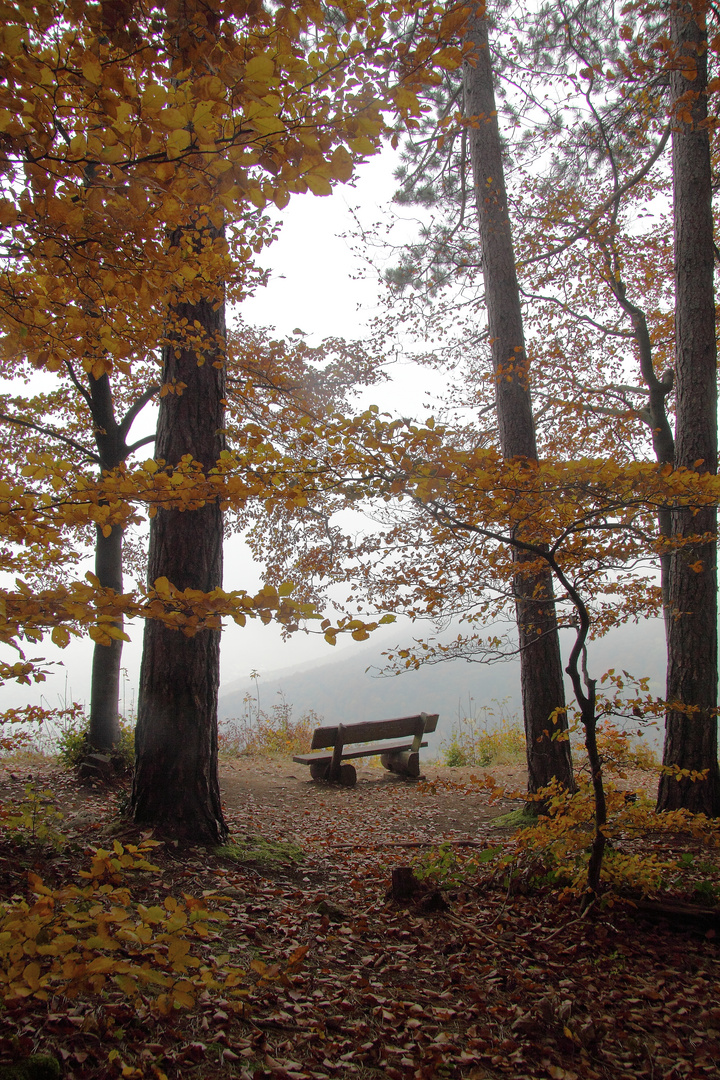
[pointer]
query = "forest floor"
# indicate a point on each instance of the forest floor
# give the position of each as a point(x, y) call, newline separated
point(303, 966)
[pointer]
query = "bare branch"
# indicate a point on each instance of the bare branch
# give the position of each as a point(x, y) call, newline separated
point(606, 205)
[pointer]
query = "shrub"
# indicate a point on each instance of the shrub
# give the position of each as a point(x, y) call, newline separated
point(560, 840)
point(491, 738)
point(35, 819)
point(621, 750)
point(73, 746)
point(264, 735)
point(31, 729)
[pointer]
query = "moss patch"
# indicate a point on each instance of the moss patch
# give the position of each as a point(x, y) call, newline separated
point(268, 853)
point(516, 819)
point(35, 1067)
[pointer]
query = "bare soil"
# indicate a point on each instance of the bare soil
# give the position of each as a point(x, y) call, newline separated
point(276, 797)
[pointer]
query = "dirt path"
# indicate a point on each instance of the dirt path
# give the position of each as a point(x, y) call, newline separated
point(277, 799)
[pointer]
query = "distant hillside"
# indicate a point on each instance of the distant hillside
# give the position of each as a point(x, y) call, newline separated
point(342, 690)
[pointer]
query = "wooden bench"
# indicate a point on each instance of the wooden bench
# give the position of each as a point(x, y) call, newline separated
point(397, 742)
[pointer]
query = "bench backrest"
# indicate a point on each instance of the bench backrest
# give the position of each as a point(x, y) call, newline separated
point(375, 730)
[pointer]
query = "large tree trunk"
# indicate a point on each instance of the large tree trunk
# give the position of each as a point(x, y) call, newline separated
point(176, 773)
point(691, 730)
point(541, 667)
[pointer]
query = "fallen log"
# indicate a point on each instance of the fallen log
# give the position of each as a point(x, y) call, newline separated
point(704, 920)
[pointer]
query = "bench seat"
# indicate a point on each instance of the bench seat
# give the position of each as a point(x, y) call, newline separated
point(397, 741)
point(369, 750)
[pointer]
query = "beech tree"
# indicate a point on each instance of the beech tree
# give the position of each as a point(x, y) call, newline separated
point(162, 132)
point(112, 448)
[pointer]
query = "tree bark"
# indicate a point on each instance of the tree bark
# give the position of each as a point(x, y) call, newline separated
point(104, 729)
point(691, 720)
point(176, 786)
point(540, 664)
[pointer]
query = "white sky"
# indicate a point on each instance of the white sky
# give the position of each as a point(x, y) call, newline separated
point(315, 285)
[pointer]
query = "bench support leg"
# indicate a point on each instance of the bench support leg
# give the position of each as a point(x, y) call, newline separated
point(348, 776)
point(406, 763)
point(337, 755)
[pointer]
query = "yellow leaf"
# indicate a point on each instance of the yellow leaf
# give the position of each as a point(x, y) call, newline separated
point(35, 884)
point(163, 1004)
point(101, 964)
point(126, 984)
point(268, 125)
point(449, 59)
point(60, 636)
point(260, 68)
point(174, 119)
point(31, 974)
point(11, 39)
point(341, 164)
point(362, 145)
point(178, 948)
point(257, 198)
point(92, 71)
point(137, 197)
point(177, 142)
point(318, 184)
point(183, 998)
point(101, 942)
point(296, 958)
point(154, 97)
point(405, 99)
point(234, 977)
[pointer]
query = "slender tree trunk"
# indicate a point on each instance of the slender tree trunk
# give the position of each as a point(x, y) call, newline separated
point(540, 663)
point(691, 727)
point(176, 773)
point(104, 729)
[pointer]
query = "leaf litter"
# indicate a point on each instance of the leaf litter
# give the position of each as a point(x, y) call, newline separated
point(127, 957)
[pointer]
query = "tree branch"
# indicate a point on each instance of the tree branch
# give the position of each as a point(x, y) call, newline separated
point(606, 205)
point(137, 407)
point(53, 434)
point(140, 442)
